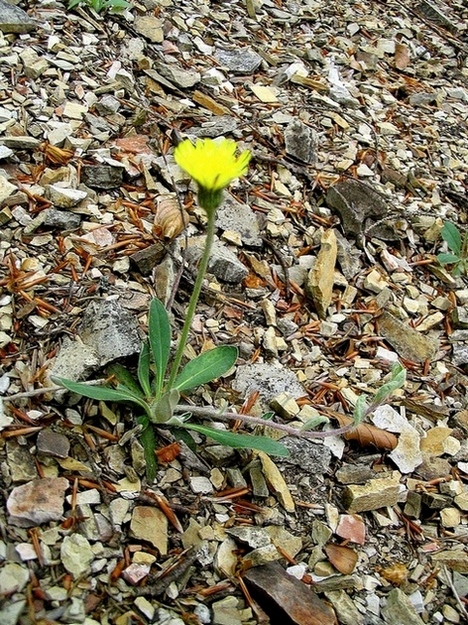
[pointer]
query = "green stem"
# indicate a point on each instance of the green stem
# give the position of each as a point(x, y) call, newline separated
point(210, 231)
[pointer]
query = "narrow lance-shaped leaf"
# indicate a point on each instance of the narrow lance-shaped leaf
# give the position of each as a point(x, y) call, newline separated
point(397, 381)
point(360, 409)
point(206, 367)
point(451, 234)
point(125, 378)
point(102, 393)
point(312, 423)
point(159, 331)
point(144, 369)
point(241, 441)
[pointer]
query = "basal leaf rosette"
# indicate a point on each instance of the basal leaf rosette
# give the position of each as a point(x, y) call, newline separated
point(213, 165)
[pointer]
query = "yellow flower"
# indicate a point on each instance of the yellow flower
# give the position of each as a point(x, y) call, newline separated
point(212, 164)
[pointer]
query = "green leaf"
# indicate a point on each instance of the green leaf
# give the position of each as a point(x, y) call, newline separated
point(206, 367)
point(73, 3)
point(144, 369)
point(312, 423)
point(149, 441)
point(160, 340)
point(163, 410)
point(448, 259)
point(241, 441)
point(123, 375)
point(360, 409)
point(397, 380)
point(451, 235)
point(102, 393)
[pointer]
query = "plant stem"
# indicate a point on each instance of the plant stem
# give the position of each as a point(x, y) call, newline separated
point(210, 231)
point(211, 413)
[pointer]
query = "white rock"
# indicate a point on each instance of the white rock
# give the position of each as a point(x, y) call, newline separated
point(13, 578)
point(76, 554)
point(6, 189)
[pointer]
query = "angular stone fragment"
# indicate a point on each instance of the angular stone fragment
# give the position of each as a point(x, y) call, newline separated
point(359, 206)
point(64, 197)
point(301, 141)
point(321, 277)
point(145, 260)
point(61, 219)
point(52, 443)
point(276, 482)
point(101, 176)
point(399, 609)
point(13, 578)
point(409, 343)
point(378, 493)
point(111, 330)
point(37, 502)
point(150, 524)
point(6, 189)
point(240, 60)
point(345, 609)
point(239, 217)
point(286, 597)
point(76, 554)
point(455, 559)
point(150, 27)
point(15, 20)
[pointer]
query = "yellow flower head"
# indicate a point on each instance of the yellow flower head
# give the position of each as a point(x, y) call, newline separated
point(212, 164)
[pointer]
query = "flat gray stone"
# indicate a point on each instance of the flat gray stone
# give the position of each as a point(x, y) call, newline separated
point(399, 609)
point(61, 219)
point(178, 76)
point(15, 20)
point(311, 458)
point(238, 217)
point(301, 141)
point(239, 61)
point(111, 330)
point(359, 206)
point(407, 342)
point(20, 462)
point(268, 379)
point(75, 361)
point(220, 126)
point(102, 176)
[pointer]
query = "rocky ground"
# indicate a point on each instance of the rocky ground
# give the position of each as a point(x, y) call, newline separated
point(324, 275)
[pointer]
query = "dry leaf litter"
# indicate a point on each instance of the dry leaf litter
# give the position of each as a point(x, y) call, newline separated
point(324, 273)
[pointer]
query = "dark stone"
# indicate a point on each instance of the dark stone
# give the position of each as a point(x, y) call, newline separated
point(286, 598)
point(15, 20)
point(301, 141)
point(312, 458)
point(61, 219)
point(52, 443)
point(360, 207)
point(145, 260)
point(102, 176)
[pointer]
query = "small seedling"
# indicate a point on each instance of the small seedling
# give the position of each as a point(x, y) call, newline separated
point(458, 246)
point(100, 6)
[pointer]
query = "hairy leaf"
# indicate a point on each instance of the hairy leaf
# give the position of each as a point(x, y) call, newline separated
point(360, 409)
point(160, 340)
point(241, 441)
point(206, 367)
point(451, 235)
point(148, 440)
point(398, 379)
point(144, 369)
point(163, 410)
point(447, 259)
point(312, 423)
point(102, 393)
point(123, 376)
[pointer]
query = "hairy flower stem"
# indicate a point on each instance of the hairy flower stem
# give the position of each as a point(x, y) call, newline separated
point(211, 413)
point(210, 231)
